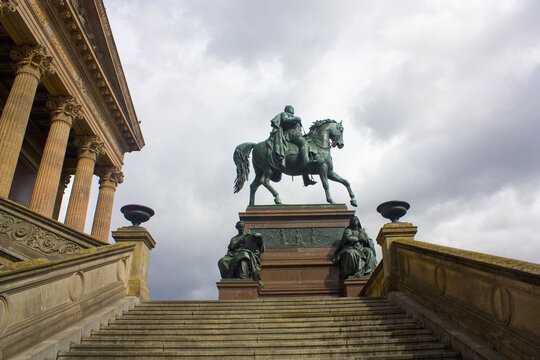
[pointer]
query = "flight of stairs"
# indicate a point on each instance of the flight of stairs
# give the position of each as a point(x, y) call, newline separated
point(329, 328)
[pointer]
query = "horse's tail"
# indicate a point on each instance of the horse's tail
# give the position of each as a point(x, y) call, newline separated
point(241, 159)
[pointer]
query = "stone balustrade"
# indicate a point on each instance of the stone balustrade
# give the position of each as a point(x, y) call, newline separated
point(40, 299)
point(493, 298)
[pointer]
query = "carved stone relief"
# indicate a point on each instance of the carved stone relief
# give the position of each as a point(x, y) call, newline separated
point(76, 286)
point(300, 237)
point(32, 236)
point(501, 305)
point(3, 312)
point(440, 278)
point(121, 270)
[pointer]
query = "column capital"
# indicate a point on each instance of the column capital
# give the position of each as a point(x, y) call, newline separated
point(110, 176)
point(32, 59)
point(89, 146)
point(7, 6)
point(63, 108)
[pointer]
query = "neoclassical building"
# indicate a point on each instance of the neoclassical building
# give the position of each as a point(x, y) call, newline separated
point(66, 115)
point(66, 112)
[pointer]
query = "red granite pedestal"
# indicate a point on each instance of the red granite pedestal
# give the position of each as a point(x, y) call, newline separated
point(353, 287)
point(300, 241)
point(238, 290)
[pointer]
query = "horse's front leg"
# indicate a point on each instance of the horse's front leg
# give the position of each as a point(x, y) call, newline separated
point(335, 177)
point(323, 174)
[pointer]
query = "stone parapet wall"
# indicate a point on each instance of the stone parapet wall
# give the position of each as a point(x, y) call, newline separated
point(26, 235)
point(494, 298)
point(41, 298)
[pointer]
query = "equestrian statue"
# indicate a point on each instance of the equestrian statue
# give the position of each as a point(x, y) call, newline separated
point(288, 151)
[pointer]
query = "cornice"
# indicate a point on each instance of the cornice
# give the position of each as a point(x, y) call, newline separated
point(119, 71)
point(84, 47)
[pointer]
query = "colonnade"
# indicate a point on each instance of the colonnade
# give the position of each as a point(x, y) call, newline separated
point(51, 181)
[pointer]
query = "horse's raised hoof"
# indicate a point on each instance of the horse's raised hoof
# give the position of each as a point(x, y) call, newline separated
point(277, 201)
point(353, 203)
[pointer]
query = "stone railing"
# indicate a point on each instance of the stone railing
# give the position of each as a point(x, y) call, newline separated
point(26, 235)
point(47, 304)
point(493, 298)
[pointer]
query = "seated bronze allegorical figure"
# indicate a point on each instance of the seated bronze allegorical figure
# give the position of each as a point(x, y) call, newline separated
point(356, 253)
point(243, 258)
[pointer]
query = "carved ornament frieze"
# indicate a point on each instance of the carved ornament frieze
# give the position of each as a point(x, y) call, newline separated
point(34, 237)
point(300, 237)
point(7, 6)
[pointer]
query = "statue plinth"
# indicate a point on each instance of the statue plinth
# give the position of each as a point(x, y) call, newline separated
point(300, 241)
point(352, 287)
point(238, 289)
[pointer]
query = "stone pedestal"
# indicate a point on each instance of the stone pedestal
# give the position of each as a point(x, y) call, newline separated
point(353, 287)
point(388, 234)
point(238, 290)
point(138, 267)
point(300, 241)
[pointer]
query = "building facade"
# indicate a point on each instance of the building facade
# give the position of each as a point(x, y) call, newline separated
point(66, 115)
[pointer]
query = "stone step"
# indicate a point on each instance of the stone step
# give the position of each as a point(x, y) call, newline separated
point(265, 311)
point(404, 355)
point(315, 329)
point(277, 301)
point(416, 350)
point(173, 319)
point(396, 318)
point(249, 327)
point(258, 316)
point(279, 309)
point(216, 335)
point(202, 343)
point(261, 305)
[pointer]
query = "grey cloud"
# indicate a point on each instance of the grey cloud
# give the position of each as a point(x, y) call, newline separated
point(446, 94)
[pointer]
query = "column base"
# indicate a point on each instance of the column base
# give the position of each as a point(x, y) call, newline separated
point(238, 289)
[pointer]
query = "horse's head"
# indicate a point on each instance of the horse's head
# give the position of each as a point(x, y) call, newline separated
point(327, 133)
point(336, 134)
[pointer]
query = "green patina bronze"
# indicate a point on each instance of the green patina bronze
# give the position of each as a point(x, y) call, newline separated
point(356, 253)
point(300, 237)
point(289, 152)
point(243, 258)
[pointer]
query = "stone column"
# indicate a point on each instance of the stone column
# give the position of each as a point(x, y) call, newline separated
point(64, 111)
point(62, 185)
point(89, 148)
point(110, 177)
point(32, 63)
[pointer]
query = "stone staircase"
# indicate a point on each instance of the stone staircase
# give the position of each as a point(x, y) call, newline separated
point(323, 328)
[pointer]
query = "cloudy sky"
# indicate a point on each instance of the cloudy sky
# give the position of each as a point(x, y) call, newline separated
point(439, 100)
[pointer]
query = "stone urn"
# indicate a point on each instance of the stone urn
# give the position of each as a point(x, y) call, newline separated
point(393, 210)
point(137, 214)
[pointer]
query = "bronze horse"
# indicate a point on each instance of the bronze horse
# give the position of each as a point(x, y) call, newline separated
point(322, 136)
